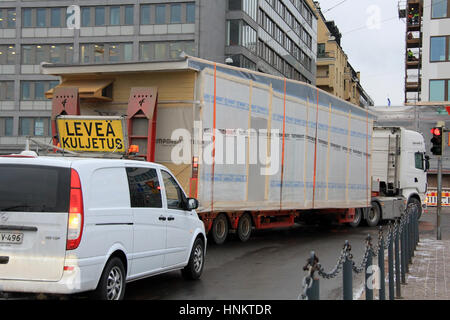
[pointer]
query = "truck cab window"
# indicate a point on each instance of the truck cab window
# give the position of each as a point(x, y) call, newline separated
point(173, 192)
point(145, 191)
point(419, 160)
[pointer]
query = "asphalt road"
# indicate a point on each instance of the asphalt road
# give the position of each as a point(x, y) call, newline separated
point(268, 266)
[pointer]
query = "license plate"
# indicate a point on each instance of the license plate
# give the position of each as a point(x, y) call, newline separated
point(11, 237)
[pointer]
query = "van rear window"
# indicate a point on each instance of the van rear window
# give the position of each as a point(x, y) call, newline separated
point(26, 188)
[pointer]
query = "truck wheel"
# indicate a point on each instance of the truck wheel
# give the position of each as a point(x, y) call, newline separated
point(219, 229)
point(244, 229)
point(194, 269)
point(374, 215)
point(357, 220)
point(112, 282)
point(416, 203)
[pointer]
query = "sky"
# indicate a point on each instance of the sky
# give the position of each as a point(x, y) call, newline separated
point(373, 37)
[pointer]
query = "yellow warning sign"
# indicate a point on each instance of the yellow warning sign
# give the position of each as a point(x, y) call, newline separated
point(91, 135)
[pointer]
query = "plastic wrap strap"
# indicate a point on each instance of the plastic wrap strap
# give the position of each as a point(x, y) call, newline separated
point(315, 150)
point(367, 158)
point(283, 146)
point(214, 138)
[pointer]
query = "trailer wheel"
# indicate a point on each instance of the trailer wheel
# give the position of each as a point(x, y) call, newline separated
point(244, 229)
point(219, 229)
point(374, 215)
point(357, 220)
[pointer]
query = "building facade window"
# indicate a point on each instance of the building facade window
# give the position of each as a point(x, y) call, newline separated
point(85, 16)
point(163, 51)
point(43, 17)
point(114, 16)
point(99, 16)
point(55, 53)
point(250, 7)
point(6, 126)
point(35, 90)
point(6, 90)
point(106, 52)
point(129, 15)
point(11, 18)
point(175, 13)
point(439, 49)
point(29, 126)
point(7, 54)
point(55, 17)
point(27, 17)
point(239, 33)
point(440, 9)
point(166, 14)
point(439, 90)
point(160, 15)
point(190, 13)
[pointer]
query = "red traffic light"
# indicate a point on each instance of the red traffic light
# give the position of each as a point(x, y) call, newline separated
point(436, 131)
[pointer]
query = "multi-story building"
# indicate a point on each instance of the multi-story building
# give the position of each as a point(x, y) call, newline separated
point(272, 36)
point(334, 73)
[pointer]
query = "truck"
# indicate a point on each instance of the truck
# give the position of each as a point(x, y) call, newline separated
point(258, 151)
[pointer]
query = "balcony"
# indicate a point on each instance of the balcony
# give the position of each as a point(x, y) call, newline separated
point(326, 56)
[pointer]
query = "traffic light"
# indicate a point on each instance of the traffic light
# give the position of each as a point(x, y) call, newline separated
point(436, 141)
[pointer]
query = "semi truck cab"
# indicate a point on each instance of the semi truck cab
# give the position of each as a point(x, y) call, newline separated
point(399, 172)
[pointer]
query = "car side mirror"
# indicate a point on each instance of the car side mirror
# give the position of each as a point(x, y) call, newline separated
point(191, 204)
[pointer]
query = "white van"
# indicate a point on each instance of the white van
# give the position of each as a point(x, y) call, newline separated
point(70, 225)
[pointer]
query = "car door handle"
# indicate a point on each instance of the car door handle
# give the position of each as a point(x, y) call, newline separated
point(162, 218)
point(171, 218)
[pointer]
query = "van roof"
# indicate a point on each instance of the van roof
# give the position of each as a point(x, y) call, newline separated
point(67, 161)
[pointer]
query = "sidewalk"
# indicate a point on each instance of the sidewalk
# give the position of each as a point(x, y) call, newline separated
point(429, 273)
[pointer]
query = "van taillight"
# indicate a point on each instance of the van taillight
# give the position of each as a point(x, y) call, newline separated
point(76, 212)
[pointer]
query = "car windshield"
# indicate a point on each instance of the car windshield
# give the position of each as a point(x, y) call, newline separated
point(25, 188)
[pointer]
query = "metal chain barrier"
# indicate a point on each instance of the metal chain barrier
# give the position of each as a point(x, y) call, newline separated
point(398, 231)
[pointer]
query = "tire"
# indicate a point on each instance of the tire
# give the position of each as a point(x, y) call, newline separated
point(417, 204)
point(358, 218)
point(113, 275)
point(374, 215)
point(194, 269)
point(219, 230)
point(244, 229)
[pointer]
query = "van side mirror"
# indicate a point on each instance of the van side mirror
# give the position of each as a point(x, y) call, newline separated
point(191, 204)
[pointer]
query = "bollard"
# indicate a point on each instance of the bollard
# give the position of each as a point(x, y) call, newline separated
point(417, 231)
point(391, 263)
point(403, 253)
point(369, 288)
point(411, 235)
point(406, 228)
point(397, 262)
point(382, 292)
point(313, 292)
point(347, 274)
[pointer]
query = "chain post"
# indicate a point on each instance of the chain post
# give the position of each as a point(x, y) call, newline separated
point(382, 291)
point(397, 261)
point(348, 273)
point(403, 249)
point(313, 292)
point(411, 235)
point(391, 262)
point(369, 288)
point(406, 227)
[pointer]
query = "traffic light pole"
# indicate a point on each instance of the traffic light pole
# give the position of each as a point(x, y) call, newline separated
point(439, 197)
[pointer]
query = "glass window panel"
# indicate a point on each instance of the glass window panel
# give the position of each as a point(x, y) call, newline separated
point(26, 19)
point(439, 8)
point(84, 53)
point(27, 54)
point(175, 13)
point(55, 17)
point(99, 16)
point(129, 15)
point(41, 17)
point(39, 127)
point(99, 52)
point(9, 94)
point(11, 55)
point(40, 54)
point(85, 17)
point(438, 45)
point(114, 53)
point(114, 16)
point(25, 92)
point(128, 52)
point(234, 4)
point(146, 52)
point(175, 49)
point(11, 18)
point(437, 90)
point(190, 13)
point(25, 126)
point(174, 195)
point(39, 90)
point(8, 126)
point(161, 14)
point(234, 33)
point(189, 48)
point(160, 51)
point(2, 20)
point(145, 191)
point(55, 54)
point(69, 54)
point(145, 14)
